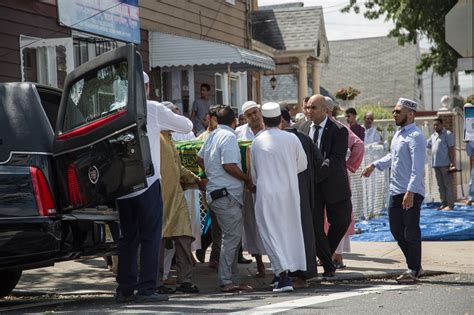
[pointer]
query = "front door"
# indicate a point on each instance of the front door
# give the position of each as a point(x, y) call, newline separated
point(101, 146)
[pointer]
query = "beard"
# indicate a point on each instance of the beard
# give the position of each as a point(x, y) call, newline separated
point(401, 122)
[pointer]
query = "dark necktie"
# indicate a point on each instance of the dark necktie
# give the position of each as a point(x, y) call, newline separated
point(316, 135)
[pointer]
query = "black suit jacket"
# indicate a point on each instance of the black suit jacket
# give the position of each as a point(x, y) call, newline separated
point(332, 179)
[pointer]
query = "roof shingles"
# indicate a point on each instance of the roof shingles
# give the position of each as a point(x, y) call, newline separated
point(289, 28)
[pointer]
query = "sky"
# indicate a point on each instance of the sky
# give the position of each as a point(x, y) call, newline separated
point(341, 26)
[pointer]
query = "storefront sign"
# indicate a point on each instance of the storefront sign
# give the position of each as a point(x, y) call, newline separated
point(118, 19)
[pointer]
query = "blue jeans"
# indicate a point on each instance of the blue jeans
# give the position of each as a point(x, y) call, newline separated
point(140, 224)
point(471, 186)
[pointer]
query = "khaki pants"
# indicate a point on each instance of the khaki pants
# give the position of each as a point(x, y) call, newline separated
point(184, 258)
point(445, 186)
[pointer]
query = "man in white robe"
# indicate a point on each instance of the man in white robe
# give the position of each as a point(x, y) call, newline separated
point(277, 154)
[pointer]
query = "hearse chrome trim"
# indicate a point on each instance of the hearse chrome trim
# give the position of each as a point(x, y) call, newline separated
point(23, 152)
point(97, 141)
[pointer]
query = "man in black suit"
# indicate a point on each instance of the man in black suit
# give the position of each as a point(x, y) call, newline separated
point(331, 181)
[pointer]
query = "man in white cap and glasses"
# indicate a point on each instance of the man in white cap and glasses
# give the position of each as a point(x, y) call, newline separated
point(407, 163)
point(251, 240)
point(277, 154)
point(141, 215)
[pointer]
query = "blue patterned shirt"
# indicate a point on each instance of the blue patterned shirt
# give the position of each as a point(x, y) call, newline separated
point(407, 161)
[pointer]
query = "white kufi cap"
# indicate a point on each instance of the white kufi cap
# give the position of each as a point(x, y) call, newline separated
point(271, 110)
point(330, 104)
point(405, 102)
point(249, 105)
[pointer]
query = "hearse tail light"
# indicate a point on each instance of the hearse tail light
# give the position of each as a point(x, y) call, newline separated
point(76, 197)
point(43, 196)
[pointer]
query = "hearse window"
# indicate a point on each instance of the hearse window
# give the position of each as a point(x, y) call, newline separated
point(97, 95)
point(50, 101)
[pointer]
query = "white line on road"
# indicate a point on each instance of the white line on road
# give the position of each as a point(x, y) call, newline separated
point(292, 304)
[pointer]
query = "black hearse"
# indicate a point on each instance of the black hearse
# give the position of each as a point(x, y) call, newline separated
point(64, 157)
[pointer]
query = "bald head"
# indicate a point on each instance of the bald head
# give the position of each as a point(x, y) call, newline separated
point(317, 108)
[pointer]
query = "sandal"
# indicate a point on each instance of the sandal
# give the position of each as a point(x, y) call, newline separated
point(165, 290)
point(187, 287)
point(229, 288)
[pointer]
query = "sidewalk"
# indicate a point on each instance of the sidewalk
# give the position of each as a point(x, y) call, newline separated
point(367, 260)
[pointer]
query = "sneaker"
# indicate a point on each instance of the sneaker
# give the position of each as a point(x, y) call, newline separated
point(284, 285)
point(408, 277)
point(274, 282)
point(121, 298)
point(151, 298)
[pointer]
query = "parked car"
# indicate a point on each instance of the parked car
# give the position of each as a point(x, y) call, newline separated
point(65, 156)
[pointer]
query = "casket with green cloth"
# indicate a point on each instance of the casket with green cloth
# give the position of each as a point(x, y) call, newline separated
point(188, 151)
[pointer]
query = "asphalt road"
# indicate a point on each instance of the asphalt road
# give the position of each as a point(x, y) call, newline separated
point(445, 294)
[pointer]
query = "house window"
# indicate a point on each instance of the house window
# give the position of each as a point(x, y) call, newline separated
point(230, 2)
point(46, 61)
point(234, 93)
point(219, 84)
point(87, 48)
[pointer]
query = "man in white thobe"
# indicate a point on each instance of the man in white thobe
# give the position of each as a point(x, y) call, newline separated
point(371, 133)
point(277, 154)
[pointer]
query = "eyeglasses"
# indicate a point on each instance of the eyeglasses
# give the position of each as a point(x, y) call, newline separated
point(396, 111)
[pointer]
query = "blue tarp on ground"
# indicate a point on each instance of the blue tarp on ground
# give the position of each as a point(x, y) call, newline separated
point(455, 225)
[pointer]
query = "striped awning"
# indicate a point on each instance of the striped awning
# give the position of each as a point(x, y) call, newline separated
point(176, 51)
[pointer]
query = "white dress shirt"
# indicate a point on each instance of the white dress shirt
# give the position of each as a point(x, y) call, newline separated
point(159, 118)
point(321, 130)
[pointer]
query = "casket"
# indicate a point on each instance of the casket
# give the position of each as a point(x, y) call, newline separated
point(188, 151)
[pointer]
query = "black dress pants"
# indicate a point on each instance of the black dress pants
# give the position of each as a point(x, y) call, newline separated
point(339, 218)
point(405, 228)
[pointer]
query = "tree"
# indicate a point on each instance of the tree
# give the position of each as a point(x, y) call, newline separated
point(413, 18)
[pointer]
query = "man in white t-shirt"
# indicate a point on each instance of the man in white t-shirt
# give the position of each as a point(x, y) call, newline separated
point(141, 215)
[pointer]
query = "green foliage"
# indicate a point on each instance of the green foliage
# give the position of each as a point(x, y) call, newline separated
point(413, 18)
point(379, 111)
point(470, 99)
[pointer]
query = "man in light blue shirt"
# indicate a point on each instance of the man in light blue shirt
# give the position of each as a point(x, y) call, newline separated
point(220, 158)
point(441, 144)
point(407, 189)
point(470, 152)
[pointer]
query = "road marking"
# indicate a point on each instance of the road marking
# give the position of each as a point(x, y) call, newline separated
point(292, 304)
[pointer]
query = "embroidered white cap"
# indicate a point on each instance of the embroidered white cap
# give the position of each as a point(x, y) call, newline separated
point(405, 102)
point(271, 110)
point(249, 105)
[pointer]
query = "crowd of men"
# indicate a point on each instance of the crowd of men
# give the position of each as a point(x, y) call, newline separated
point(292, 205)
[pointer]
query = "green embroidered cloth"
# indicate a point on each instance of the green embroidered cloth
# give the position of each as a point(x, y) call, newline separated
point(188, 151)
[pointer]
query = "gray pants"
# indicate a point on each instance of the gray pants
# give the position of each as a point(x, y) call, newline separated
point(229, 216)
point(445, 186)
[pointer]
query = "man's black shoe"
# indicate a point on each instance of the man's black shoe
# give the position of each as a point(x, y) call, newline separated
point(121, 298)
point(329, 274)
point(201, 255)
point(243, 260)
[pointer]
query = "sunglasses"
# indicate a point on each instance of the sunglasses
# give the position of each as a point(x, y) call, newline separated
point(310, 107)
point(396, 111)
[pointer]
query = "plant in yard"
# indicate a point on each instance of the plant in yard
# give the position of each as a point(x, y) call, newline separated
point(379, 111)
point(347, 93)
